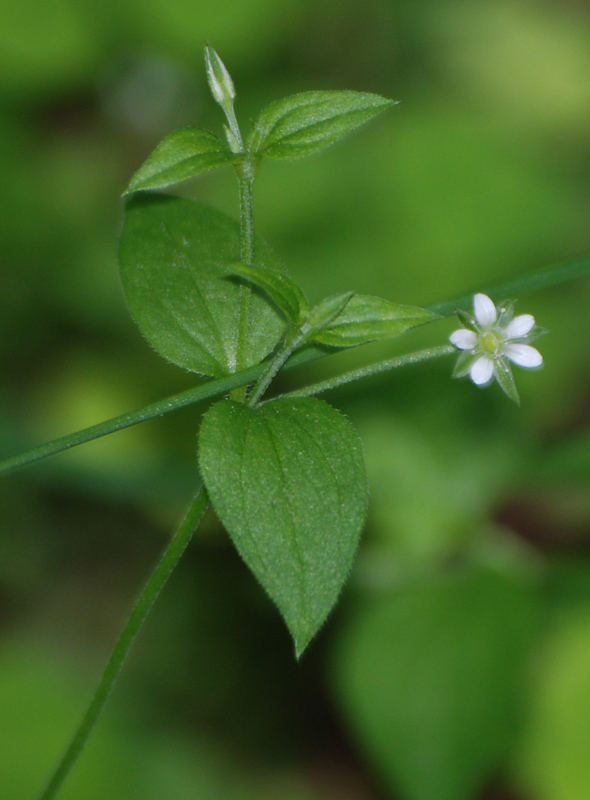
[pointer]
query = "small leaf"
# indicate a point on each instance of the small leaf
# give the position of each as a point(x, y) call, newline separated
point(183, 154)
point(287, 480)
point(325, 312)
point(367, 319)
point(173, 254)
point(284, 292)
point(305, 123)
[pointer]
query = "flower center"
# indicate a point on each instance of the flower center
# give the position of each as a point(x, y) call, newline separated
point(490, 343)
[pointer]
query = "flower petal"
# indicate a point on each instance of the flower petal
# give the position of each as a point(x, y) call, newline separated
point(524, 355)
point(485, 310)
point(519, 326)
point(482, 370)
point(463, 339)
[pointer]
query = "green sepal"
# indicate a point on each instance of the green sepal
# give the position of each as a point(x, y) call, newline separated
point(466, 319)
point(305, 123)
point(505, 379)
point(181, 155)
point(287, 480)
point(463, 364)
point(367, 319)
point(283, 291)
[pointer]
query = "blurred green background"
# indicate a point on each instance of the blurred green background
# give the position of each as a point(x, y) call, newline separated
point(457, 665)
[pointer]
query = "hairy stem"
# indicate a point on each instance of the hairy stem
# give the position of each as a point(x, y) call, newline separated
point(245, 175)
point(206, 391)
point(136, 619)
point(373, 369)
point(272, 369)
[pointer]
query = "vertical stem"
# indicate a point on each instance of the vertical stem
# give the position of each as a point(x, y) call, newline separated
point(146, 599)
point(245, 175)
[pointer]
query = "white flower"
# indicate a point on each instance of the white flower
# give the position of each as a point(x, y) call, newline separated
point(496, 339)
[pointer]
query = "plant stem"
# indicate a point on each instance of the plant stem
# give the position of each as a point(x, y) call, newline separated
point(531, 282)
point(136, 619)
point(534, 281)
point(373, 369)
point(272, 369)
point(245, 175)
point(206, 391)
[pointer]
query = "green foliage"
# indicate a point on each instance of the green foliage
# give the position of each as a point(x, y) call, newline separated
point(367, 319)
point(284, 292)
point(287, 480)
point(183, 154)
point(306, 123)
point(456, 195)
point(429, 678)
point(173, 254)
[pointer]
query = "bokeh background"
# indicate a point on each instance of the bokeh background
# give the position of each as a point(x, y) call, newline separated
point(457, 665)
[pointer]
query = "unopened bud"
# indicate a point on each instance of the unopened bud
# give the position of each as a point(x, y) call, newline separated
point(220, 82)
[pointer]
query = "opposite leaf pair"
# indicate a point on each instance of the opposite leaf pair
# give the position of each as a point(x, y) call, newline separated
point(286, 477)
point(288, 129)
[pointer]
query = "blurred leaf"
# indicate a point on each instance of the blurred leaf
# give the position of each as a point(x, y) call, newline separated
point(429, 677)
point(287, 480)
point(305, 123)
point(284, 292)
point(433, 487)
point(367, 319)
point(173, 255)
point(183, 154)
point(553, 762)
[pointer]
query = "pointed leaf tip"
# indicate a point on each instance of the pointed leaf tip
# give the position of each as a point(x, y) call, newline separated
point(287, 480)
point(308, 122)
point(367, 319)
point(183, 154)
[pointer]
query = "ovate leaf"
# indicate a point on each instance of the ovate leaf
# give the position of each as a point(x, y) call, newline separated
point(287, 480)
point(183, 154)
point(430, 680)
point(173, 258)
point(366, 319)
point(283, 291)
point(305, 123)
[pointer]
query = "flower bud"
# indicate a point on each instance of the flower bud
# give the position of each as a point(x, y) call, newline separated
point(220, 82)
